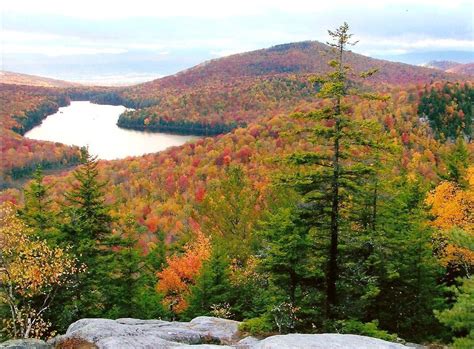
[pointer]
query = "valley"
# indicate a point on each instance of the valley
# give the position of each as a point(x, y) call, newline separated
point(292, 195)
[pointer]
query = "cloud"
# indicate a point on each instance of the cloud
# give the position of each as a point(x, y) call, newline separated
point(402, 45)
point(173, 35)
point(93, 9)
point(55, 45)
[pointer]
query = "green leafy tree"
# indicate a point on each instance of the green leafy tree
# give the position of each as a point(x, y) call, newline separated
point(286, 252)
point(148, 302)
point(133, 274)
point(229, 213)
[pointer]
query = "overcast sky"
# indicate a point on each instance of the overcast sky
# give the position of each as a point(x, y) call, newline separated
point(138, 39)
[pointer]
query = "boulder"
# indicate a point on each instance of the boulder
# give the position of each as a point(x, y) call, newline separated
point(133, 333)
point(29, 343)
point(247, 343)
point(220, 330)
point(325, 341)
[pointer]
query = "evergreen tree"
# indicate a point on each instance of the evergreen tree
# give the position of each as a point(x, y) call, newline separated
point(212, 290)
point(87, 229)
point(149, 303)
point(457, 162)
point(37, 212)
point(133, 275)
point(156, 257)
point(460, 318)
point(125, 266)
point(407, 269)
point(287, 260)
point(331, 178)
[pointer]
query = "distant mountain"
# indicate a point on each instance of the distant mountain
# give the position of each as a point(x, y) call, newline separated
point(464, 69)
point(7, 77)
point(452, 67)
point(441, 65)
point(421, 57)
point(305, 57)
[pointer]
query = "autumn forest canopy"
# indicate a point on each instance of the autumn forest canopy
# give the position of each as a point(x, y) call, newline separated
point(330, 193)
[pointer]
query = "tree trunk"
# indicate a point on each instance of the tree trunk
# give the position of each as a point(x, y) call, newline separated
point(331, 277)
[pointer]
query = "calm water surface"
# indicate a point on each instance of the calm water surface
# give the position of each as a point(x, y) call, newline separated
point(94, 125)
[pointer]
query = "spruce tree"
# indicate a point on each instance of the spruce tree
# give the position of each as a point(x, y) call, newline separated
point(331, 178)
point(125, 265)
point(287, 260)
point(37, 212)
point(148, 304)
point(460, 317)
point(407, 271)
point(87, 230)
point(457, 162)
point(212, 290)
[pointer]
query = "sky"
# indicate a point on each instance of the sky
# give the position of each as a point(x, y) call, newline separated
point(136, 40)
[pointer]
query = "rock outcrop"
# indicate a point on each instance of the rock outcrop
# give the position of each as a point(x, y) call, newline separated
point(325, 341)
point(133, 333)
point(202, 332)
point(29, 343)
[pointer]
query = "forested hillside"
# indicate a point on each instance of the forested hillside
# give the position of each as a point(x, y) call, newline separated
point(7, 77)
point(339, 199)
point(464, 69)
point(221, 94)
point(21, 108)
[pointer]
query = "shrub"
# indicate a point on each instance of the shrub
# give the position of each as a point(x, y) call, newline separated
point(258, 326)
point(369, 329)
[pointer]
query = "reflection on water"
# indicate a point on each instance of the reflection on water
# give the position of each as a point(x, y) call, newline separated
point(94, 125)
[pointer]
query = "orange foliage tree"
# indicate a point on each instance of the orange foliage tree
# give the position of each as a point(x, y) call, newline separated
point(176, 279)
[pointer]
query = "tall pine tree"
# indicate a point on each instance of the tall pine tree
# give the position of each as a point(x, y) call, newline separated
point(331, 178)
point(87, 230)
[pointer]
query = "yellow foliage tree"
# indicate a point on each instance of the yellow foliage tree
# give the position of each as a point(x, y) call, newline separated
point(452, 208)
point(31, 273)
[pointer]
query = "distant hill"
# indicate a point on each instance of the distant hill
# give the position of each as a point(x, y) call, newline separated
point(421, 57)
point(441, 65)
point(7, 77)
point(305, 57)
point(464, 69)
point(452, 67)
point(240, 88)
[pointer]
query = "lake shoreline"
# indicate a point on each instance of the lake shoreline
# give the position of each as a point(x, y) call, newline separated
point(83, 123)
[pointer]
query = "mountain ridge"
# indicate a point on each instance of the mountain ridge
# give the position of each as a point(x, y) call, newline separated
point(14, 78)
point(283, 58)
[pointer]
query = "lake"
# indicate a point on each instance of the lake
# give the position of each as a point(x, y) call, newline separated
point(94, 125)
